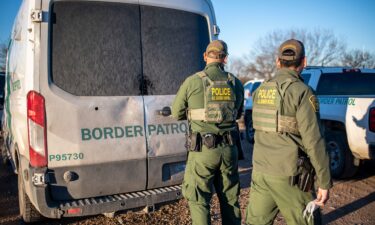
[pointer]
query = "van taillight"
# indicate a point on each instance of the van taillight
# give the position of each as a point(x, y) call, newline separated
point(372, 120)
point(36, 129)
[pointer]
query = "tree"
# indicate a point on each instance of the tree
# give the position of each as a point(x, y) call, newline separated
point(236, 66)
point(3, 55)
point(322, 47)
point(357, 58)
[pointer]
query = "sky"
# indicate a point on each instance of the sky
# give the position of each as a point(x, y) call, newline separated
point(243, 22)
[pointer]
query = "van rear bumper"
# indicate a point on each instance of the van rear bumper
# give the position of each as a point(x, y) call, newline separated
point(98, 205)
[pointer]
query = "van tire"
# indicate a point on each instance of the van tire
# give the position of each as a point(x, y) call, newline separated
point(28, 212)
point(340, 157)
point(250, 132)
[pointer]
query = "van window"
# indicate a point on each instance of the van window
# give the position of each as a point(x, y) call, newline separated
point(173, 43)
point(346, 84)
point(95, 48)
point(116, 49)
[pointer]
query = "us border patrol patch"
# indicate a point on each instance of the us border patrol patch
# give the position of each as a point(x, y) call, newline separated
point(314, 103)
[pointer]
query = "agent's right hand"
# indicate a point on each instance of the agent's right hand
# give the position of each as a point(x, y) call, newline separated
point(322, 197)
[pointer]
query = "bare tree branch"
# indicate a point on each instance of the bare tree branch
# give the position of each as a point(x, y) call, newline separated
point(3, 55)
point(322, 47)
point(357, 58)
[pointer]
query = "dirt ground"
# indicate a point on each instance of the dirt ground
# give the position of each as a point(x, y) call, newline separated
point(351, 201)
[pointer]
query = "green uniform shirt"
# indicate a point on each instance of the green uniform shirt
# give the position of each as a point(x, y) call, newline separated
point(275, 153)
point(191, 96)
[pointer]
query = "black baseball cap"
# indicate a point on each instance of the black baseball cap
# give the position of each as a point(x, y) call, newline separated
point(291, 50)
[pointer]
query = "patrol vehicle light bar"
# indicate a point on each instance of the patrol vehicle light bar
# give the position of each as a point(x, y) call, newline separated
point(351, 70)
point(36, 129)
point(372, 120)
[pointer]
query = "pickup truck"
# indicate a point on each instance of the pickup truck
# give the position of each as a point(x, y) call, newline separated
point(347, 112)
point(249, 88)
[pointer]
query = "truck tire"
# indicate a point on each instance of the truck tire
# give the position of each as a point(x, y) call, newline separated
point(250, 131)
point(28, 212)
point(4, 156)
point(340, 157)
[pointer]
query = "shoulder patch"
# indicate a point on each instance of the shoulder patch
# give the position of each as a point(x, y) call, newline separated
point(314, 103)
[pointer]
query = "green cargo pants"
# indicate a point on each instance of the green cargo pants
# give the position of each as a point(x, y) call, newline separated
point(213, 167)
point(269, 194)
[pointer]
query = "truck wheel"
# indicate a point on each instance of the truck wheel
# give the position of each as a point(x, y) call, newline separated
point(340, 156)
point(4, 156)
point(250, 131)
point(28, 212)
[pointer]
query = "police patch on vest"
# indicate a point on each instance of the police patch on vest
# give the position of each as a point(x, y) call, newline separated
point(221, 94)
point(314, 103)
point(266, 96)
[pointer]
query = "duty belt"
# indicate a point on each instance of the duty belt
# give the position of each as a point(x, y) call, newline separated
point(211, 140)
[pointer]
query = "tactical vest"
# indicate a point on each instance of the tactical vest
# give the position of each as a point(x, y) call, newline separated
point(268, 114)
point(219, 101)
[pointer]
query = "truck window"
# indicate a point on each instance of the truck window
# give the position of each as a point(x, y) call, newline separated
point(306, 77)
point(255, 86)
point(173, 43)
point(95, 48)
point(346, 84)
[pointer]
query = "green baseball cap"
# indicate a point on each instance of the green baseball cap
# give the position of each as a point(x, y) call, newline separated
point(217, 46)
point(291, 50)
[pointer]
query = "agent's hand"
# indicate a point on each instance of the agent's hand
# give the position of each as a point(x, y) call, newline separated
point(322, 197)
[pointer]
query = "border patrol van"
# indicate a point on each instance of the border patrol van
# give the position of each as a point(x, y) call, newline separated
point(88, 90)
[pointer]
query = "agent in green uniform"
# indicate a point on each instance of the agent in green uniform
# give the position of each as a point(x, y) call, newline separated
point(286, 120)
point(211, 100)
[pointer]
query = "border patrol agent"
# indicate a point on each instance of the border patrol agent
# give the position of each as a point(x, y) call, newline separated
point(211, 100)
point(289, 147)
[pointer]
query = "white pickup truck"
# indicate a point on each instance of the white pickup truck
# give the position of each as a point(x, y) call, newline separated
point(347, 112)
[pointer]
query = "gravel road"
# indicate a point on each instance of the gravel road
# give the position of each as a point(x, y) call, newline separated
point(352, 202)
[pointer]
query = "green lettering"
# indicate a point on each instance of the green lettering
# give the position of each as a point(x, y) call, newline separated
point(183, 127)
point(85, 134)
point(160, 130)
point(129, 131)
point(138, 129)
point(119, 132)
point(151, 128)
point(108, 132)
point(97, 133)
point(351, 101)
point(166, 127)
point(174, 128)
point(51, 157)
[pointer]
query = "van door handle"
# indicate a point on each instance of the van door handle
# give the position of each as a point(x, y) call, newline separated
point(165, 111)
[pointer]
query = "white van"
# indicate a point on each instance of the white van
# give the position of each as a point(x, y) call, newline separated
point(88, 86)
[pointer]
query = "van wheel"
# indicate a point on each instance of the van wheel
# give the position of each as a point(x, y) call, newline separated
point(340, 157)
point(250, 131)
point(28, 212)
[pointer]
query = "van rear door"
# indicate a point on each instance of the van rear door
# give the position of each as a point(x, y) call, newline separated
point(95, 114)
point(173, 42)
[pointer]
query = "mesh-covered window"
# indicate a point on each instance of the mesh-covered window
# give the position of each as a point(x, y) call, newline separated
point(173, 43)
point(95, 48)
point(346, 84)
